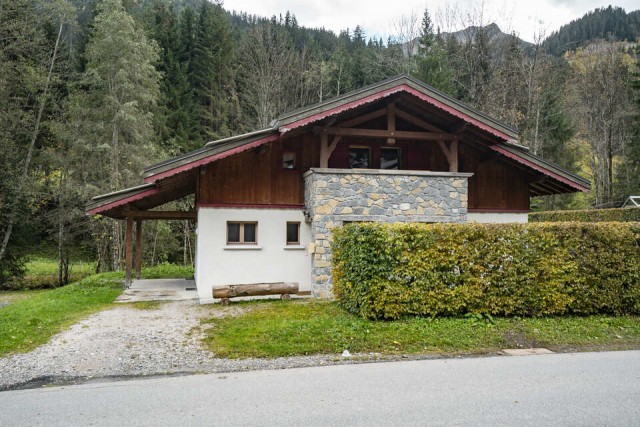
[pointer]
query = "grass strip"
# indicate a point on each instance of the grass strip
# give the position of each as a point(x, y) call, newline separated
point(31, 318)
point(290, 328)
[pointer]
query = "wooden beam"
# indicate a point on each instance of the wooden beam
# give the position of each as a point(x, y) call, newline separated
point(453, 156)
point(444, 149)
point(416, 121)
point(168, 215)
point(391, 122)
point(364, 118)
point(324, 148)
point(138, 248)
point(451, 153)
point(380, 133)
point(128, 251)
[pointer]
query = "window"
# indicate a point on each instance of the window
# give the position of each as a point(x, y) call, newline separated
point(390, 158)
point(359, 157)
point(242, 233)
point(293, 233)
point(288, 160)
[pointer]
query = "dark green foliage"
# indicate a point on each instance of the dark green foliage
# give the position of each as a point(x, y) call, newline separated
point(589, 215)
point(176, 118)
point(433, 65)
point(211, 73)
point(603, 23)
point(390, 271)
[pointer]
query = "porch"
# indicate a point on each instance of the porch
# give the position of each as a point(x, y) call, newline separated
point(159, 290)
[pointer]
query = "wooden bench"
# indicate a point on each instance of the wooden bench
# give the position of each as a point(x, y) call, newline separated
point(284, 289)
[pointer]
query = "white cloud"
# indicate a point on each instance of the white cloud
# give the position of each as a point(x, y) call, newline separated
point(525, 17)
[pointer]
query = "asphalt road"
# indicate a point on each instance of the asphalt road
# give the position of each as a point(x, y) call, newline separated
point(585, 389)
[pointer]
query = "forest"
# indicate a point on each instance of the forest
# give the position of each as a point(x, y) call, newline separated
point(93, 90)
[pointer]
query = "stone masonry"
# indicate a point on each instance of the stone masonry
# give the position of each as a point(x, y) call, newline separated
point(335, 196)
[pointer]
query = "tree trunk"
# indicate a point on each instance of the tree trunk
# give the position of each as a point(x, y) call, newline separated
point(34, 136)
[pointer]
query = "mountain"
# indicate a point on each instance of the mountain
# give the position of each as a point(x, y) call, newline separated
point(605, 23)
point(492, 32)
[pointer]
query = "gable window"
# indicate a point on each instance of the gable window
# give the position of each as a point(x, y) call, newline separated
point(359, 157)
point(293, 233)
point(288, 160)
point(390, 158)
point(242, 233)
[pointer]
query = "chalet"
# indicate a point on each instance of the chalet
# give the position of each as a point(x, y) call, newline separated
point(398, 150)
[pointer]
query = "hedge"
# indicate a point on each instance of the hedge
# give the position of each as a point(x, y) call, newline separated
point(590, 215)
point(390, 271)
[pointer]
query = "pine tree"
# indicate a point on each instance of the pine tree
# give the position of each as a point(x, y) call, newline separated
point(112, 106)
point(176, 119)
point(433, 64)
point(211, 66)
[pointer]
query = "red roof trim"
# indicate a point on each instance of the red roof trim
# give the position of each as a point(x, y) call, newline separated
point(342, 108)
point(539, 168)
point(124, 201)
point(400, 88)
point(212, 158)
point(247, 206)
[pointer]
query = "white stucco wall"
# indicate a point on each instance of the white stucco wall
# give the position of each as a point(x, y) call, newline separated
point(271, 260)
point(497, 217)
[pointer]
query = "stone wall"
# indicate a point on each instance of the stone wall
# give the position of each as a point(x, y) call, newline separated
point(335, 196)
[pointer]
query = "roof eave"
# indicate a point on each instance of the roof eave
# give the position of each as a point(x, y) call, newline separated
point(575, 182)
point(212, 148)
point(105, 202)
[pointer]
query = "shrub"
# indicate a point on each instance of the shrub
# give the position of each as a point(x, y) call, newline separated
point(389, 271)
point(590, 215)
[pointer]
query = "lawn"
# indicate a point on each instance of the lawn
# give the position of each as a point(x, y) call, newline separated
point(289, 328)
point(32, 317)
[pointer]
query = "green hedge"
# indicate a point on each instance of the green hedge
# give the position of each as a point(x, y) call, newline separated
point(389, 271)
point(590, 215)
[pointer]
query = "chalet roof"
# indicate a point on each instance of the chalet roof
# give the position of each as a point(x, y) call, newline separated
point(385, 88)
point(503, 140)
point(320, 111)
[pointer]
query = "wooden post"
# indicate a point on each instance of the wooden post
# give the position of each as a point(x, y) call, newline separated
point(138, 248)
point(324, 148)
point(391, 122)
point(453, 156)
point(128, 251)
point(451, 153)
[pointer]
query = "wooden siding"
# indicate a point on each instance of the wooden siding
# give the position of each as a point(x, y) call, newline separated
point(495, 184)
point(256, 177)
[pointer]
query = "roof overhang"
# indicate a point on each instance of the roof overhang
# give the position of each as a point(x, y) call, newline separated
point(175, 177)
point(555, 179)
point(385, 89)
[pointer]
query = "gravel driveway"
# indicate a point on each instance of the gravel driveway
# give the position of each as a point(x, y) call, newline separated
point(124, 341)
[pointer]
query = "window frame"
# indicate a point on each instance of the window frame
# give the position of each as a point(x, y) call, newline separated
point(398, 150)
point(295, 160)
point(242, 241)
point(291, 243)
point(369, 155)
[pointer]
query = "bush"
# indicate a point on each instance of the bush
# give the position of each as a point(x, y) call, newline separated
point(590, 215)
point(389, 271)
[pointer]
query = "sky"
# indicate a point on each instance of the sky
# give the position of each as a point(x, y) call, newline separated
point(380, 18)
